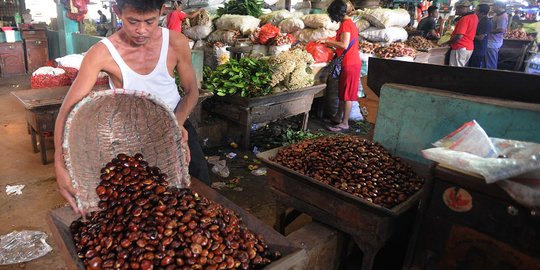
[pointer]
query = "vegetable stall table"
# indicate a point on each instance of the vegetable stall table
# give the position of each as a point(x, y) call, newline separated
point(246, 111)
point(42, 106)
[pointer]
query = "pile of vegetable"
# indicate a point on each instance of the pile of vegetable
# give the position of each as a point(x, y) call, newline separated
point(419, 43)
point(290, 70)
point(393, 50)
point(518, 34)
point(368, 47)
point(242, 7)
point(247, 77)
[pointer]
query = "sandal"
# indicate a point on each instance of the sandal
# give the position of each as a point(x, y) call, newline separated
point(337, 129)
point(331, 121)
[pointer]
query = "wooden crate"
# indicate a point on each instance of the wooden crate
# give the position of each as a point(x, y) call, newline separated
point(369, 224)
point(60, 219)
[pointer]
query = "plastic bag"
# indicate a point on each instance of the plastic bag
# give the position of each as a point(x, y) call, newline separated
point(533, 65)
point(23, 246)
point(309, 35)
point(71, 61)
point(356, 113)
point(267, 32)
point(316, 21)
point(391, 34)
point(243, 23)
point(527, 194)
point(49, 77)
point(520, 157)
point(259, 50)
point(291, 25)
point(470, 138)
point(198, 32)
point(216, 55)
point(275, 50)
point(384, 18)
point(320, 53)
point(220, 166)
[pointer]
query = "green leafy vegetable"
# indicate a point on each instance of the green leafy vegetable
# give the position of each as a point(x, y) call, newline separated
point(247, 77)
point(242, 7)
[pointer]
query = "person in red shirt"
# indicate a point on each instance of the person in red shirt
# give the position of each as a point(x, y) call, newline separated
point(177, 16)
point(462, 39)
point(351, 64)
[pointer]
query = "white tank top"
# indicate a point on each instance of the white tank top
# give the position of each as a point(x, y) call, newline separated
point(158, 82)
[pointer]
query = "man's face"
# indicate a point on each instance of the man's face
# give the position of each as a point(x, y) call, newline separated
point(435, 14)
point(462, 10)
point(138, 26)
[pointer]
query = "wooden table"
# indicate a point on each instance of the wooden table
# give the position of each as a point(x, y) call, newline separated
point(42, 106)
point(246, 111)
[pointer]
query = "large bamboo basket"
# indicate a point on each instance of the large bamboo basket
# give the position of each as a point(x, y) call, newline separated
point(110, 122)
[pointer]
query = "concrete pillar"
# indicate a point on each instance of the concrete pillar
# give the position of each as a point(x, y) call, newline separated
point(66, 27)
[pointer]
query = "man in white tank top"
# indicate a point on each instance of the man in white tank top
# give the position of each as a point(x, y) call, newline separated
point(141, 56)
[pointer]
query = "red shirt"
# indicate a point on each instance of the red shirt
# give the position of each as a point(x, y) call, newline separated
point(466, 26)
point(174, 20)
point(352, 57)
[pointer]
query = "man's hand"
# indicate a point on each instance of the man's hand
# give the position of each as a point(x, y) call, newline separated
point(66, 189)
point(185, 143)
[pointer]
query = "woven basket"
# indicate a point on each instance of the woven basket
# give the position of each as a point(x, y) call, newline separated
point(110, 122)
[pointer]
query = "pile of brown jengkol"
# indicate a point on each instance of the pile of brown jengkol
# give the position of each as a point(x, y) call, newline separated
point(394, 50)
point(145, 224)
point(419, 43)
point(368, 47)
point(355, 165)
point(518, 34)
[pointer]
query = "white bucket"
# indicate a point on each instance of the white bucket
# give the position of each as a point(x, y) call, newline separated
point(10, 35)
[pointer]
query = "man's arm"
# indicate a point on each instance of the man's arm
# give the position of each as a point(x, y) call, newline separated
point(501, 25)
point(186, 72)
point(194, 14)
point(82, 85)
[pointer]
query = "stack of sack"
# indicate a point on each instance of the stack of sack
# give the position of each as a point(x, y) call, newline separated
point(317, 27)
point(386, 25)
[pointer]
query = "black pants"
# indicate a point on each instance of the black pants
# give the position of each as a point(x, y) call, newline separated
point(198, 167)
point(477, 61)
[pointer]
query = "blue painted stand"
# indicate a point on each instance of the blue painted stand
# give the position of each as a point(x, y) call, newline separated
point(411, 118)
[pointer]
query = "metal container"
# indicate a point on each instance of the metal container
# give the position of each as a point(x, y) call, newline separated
point(60, 219)
point(369, 224)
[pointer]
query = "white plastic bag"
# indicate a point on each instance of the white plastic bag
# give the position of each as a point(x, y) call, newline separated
point(309, 35)
point(320, 21)
point(520, 157)
point(23, 246)
point(71, 61)
point(533, 65)
point(275, 50)
point(470, 138)
point(291, 25)
point(243, 23)
point(525, 194)
point(384, 18)
point(259, 50)
point(356, 113)
point(390, 34)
